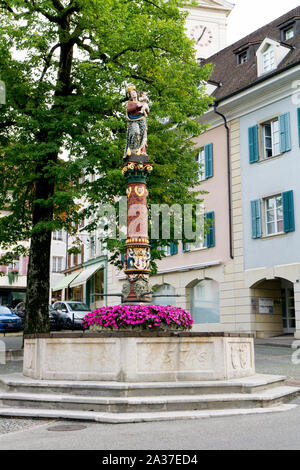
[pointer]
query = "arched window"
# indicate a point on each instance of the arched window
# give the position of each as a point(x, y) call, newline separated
point(165, 289)
point(205, 302)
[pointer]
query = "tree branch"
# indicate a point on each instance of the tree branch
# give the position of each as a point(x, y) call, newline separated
point(48, 61)
point(6, 6)
point(34, 7)
point(58, 5)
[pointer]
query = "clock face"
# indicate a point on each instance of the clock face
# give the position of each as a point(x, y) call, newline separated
point(202, 36)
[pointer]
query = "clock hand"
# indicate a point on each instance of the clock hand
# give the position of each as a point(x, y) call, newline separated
point(200, 37)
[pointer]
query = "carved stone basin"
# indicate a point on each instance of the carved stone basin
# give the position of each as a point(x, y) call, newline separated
point(139, 356)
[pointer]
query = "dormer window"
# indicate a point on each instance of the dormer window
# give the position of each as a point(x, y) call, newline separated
point(242, 57)
point(268, 59)
point(289, 28)
point(288, 33)
point(269, 55)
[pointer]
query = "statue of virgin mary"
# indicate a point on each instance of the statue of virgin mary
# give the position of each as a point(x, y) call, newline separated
point(136, 115)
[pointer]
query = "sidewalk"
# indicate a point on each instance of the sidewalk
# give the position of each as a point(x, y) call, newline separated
point(284, 341)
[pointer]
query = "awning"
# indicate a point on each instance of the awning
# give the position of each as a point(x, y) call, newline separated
point(86, 274)
point(64, 283)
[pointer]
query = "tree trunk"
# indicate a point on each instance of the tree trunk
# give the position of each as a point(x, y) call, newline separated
point(37, 295)
point(38, 277)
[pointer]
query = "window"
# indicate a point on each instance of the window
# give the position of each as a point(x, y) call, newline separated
point(92, 246)
point(204, 298)
point(276, 211)
point(165, 295)
point(269, 59)
point(288, 33)
point(274, 215)
point(200, 159)
point(14, 266)
point(170, 250)
point(271, 138)
point(203, 241)
point(98, 285)
point(57, 235)
point(205, 162)
point(57, 264)
point(242, 57)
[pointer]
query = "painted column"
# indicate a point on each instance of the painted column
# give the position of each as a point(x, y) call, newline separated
point(137, 288)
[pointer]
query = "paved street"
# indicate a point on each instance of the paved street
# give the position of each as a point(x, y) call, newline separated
point(12, 341)
point(268, 431)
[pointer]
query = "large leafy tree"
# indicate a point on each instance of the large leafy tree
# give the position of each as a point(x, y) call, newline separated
point(66, 65)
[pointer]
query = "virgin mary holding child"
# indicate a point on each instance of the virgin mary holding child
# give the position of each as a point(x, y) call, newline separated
point(137, 110)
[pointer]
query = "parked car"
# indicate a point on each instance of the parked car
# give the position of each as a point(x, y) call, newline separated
point(53, 318)
point(9, 321)
point(55, 324)
point(71, 313)
point(19, 309)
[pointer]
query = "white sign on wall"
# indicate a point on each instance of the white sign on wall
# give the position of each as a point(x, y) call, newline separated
point(266, 305)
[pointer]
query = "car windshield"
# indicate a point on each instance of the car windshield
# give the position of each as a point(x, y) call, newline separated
point(4, 311)
point(79, 307)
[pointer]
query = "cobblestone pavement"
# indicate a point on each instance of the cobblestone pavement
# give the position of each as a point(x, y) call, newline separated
point(12, 424)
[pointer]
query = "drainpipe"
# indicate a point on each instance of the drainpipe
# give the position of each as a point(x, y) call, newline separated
point(228, 180)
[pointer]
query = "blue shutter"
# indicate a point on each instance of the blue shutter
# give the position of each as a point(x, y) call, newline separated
point(288, 211)
point(299, 125)
point(209, 167)
point(253, 144)
point(173, 248)
point(210, 222)
point(256, 218)
point(285, 132)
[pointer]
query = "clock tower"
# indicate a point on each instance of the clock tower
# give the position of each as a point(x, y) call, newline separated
point(206, 24)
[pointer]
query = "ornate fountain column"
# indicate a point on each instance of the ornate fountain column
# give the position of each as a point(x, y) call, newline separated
point(136, 169)
point(136, 288)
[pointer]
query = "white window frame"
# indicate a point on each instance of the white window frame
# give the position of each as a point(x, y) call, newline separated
point(92, 246)
point(275, 137)
point(268, 59)
point(166, 250)
point(242, 57)
point(58, 235)
point(200, 244)
point(57, 264)
point(276, 218)
point(200, 159)
point(289, 30)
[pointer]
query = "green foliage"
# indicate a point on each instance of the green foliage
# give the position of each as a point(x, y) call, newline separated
point(66, 66)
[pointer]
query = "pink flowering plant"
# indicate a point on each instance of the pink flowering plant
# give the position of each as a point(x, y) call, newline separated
point(138, 317)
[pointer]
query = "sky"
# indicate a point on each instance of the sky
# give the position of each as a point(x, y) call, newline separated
point(249, 15)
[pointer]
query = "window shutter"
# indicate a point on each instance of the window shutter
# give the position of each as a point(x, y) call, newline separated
point(285, 132)
point(210, 236)
point(209, 167)
point(299, 125)
point(173, 248)
point(288, 211)
point(253, 144)
point(256, 218)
